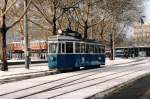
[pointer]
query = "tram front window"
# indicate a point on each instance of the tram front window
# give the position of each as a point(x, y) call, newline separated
point(52, 47)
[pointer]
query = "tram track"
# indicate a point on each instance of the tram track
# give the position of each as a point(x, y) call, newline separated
point(67, 83)
point(70, 83)
point(94, 83)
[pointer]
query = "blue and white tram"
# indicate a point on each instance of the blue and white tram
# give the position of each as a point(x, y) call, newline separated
point(67, 52)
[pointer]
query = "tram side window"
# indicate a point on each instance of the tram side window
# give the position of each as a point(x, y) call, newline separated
point(96, 49)
point(77, 45)
point(82, 46)
point(69, 47)
point(99, 49)
point(87, 48)
point(63, 47)
point(59, 47)
point(52, 47)
point(103, 49)
point(91, 48)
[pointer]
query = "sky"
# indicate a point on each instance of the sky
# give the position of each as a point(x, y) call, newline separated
point(147, 10)
point(146, 19)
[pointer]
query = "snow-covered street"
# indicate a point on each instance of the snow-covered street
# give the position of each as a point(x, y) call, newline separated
point(79, 84)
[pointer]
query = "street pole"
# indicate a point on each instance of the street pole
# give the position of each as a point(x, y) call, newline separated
point(26, 45)
point(91, 30)
point(112, 47)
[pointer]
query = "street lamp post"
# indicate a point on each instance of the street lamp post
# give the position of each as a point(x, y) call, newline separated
point(112, 47)
point(26, 51)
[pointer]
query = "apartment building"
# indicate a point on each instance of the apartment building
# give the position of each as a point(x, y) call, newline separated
point(142, 34)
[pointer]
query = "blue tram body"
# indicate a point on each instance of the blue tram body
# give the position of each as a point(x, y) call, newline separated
point(67, 52)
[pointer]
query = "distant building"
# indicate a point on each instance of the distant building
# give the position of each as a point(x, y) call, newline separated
point(142, 34)
point(38, 50)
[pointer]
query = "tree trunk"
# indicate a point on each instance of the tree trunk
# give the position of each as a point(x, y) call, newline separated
point(54, 20)
point(85, 29)
point(54, 25)
point(4, 65)
point(4, 53)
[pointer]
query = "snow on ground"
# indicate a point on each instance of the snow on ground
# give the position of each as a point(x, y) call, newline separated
point(44, 67)
point(22, 71)
point(71, 88)
point(18, 60)
point(77, 88)
point(118, 61)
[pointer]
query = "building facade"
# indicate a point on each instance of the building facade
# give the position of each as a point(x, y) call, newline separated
point(38, 50)
point(142, 34)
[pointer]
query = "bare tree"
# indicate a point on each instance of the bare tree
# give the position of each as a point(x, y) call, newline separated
point(95, 15)
point(98, 16)
point(50, 11)
point(5, 7)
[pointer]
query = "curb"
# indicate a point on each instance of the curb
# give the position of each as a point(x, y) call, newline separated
point(26, 76)
point(23, 62)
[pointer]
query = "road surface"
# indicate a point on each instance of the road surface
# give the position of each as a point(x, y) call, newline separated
point(76, 85)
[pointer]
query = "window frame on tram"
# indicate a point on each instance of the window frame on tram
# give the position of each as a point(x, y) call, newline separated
point(77, 47)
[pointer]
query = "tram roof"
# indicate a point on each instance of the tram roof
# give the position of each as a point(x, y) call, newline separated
point(70, 38)
point(62, 38)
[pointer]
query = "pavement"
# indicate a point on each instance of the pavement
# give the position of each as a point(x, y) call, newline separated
point(16, 73)
point(39, 70)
